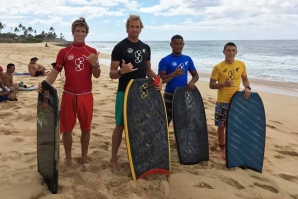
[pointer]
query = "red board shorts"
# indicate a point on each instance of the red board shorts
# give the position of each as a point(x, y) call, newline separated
point(73, 106)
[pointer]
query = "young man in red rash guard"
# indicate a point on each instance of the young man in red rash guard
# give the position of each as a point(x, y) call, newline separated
point(80, 62)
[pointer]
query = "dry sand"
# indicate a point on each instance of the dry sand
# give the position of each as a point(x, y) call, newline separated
point(19, 178)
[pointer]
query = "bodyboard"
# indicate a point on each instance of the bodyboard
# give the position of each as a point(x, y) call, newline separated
point(30, 88)
point(48, 135)
point(146, 130)
point(245, 132)
point(21, 74)
point(190, 126)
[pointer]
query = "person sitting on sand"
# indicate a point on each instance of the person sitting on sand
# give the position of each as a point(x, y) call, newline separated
point(4, 93)
point(7, 79)
point(35, 69)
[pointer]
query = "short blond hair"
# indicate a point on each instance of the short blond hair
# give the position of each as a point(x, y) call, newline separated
point(80, 22)
point(134, 18)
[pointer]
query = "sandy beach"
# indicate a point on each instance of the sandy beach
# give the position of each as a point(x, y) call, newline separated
point(19, 178)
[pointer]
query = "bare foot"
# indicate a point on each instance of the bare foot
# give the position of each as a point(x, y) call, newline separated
point(114, 166)
point(67, 161)
point(85, 160)
point(223, 153)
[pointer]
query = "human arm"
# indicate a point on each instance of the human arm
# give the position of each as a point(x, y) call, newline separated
point(93, 60)
point(125, 68)
point(247, 89)
point(51, 77)
point(194, 79)
point(166, 78)
point(4, 90)
point(213, 84)
point(31, 70)
point(151, 74)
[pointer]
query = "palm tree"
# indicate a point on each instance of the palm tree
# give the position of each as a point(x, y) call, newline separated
point(16, 30)
point(2, 26)
point(52, 29)
point(24, 29)
point(20, 27)
point(35, 32)
point(29, 29)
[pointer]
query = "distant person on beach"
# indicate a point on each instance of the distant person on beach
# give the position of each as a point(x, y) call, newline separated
point(80, 62)
point(4, 93)
point(7, 78)
point(173, 69)
point(46, 45)
point(226, 77)
point(35, 69)
point(130, 60)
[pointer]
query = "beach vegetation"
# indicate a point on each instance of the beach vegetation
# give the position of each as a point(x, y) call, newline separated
point(23, 34)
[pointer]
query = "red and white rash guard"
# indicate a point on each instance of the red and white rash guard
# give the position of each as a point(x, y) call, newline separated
point(78, 70)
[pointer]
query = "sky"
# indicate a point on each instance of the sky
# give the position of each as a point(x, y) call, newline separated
point(193, 19)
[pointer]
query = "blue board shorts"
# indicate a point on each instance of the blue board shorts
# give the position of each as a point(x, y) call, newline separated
point(221, 111)
point(119, 108)
point(3, 98)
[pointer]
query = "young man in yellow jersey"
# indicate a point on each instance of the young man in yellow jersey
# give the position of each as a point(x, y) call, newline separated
point(226, 77)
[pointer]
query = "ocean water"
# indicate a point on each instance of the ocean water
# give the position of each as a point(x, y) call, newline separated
point(274, 60)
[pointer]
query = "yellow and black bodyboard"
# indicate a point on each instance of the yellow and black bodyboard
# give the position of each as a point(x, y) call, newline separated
point(146, 129)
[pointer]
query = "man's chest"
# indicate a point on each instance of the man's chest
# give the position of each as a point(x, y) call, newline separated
point(76, 61)
point(136, 55)
point(231, 72)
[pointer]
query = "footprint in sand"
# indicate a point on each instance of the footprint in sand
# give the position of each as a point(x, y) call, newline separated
point(294, 196)
point(290, 178)
point(104, 147)
point(203, 185)
point(267, 187)
point(8, 124)
point(4, 167)
point(259, 178)
point(10, 132)
point(289, 153)
point(231, 182)
point(5, 115)
point(18, 139)
point(271, 126)
point(276, 122)
point(279, 157)
point(14, 155)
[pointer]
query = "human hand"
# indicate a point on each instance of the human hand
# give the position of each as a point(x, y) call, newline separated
point(92, 58)
point(190, 86)
point(39, 88)
point(127, 68)
point(178, 71)
point(228, 83)
point(157, 83)
point(247, 93)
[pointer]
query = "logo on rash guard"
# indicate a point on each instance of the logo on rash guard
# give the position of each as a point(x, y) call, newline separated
point(138, 55)
point(79, 62)
point(70, 57)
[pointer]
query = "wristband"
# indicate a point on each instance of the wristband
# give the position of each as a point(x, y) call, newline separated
point(96, 66)
point(119, 73)
point(248, 87)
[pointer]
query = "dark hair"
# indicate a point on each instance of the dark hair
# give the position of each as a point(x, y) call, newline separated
point(176, 37)
point(34, 59)
point(230, 44)
point(9, 65)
